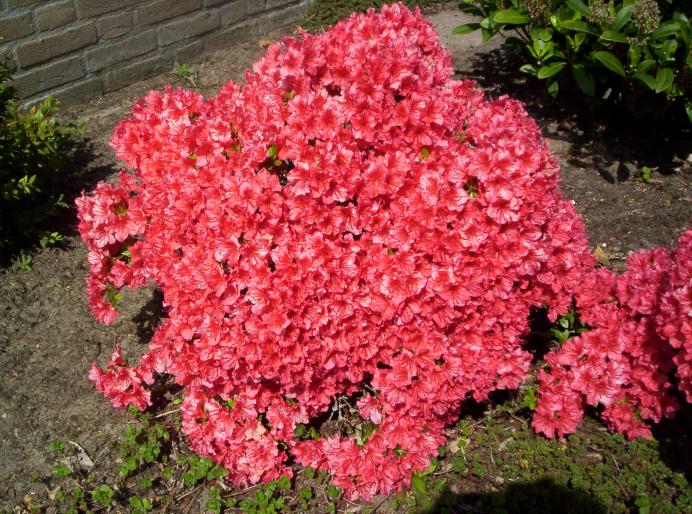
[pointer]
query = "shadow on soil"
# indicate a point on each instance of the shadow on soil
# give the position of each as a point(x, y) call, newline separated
point(603, 137)
point(675, 440)
point(150, 317)
point(540, 497)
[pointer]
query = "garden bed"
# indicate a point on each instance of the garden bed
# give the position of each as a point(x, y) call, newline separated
point(48, 338)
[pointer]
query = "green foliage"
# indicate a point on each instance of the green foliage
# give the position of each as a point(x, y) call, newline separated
point(617, 475)
point(567, 326)
point(320, 14)
point(183, 70)
point(33, 151)
point(25, 262)
point(632, 52)
point(201, 468)
point(61, 470)
point(103, 495)
point(268, 499)
point(140, 505)
point(646, 174)
point(141, 445)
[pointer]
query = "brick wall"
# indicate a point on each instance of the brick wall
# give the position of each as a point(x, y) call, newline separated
point(79, 49)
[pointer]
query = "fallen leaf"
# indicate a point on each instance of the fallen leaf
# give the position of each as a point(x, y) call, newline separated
point(601, 255)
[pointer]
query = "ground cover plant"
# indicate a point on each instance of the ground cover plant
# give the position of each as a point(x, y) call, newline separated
point(492, 462)
point(315, 251)
point(632, 53)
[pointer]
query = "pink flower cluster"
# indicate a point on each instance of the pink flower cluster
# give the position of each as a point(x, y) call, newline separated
point(641, 332)
point(350, 225)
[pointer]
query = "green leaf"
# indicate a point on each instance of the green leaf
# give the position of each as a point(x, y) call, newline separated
point(551, 69)
point(584, 79)
point(544, 34)
point(610, 61)
point(666, 29)
point(510, 17)
point(645, 65)
point(578, 26)
point(646, 79)
point(622, 17)
point(529, 69)
point(466, 28)
point(487, 34)
point(616, 37)
point(580, 7)
point(418, 484)
point(552, 88)
point(664, 78)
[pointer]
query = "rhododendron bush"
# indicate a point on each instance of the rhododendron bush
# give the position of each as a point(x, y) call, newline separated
point(354, 223)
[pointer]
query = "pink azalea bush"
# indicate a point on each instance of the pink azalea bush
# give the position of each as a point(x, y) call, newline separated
point(639, 345)
point(352, 222)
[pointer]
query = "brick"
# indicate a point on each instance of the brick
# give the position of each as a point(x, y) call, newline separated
point(165, 9)
point(220, 39)
point(272, 4)
point(280, 19)
point(72, 94)
point(15, 27)
point(11, 4)
point(125, 75)
point(255, 6)
point(55, 15)
point(188, 52)
point(233, 13)
point(114, 25)
point(89, 8)
point(188, 27)
point(46, 47)
point(46, 77)
point(108, 54)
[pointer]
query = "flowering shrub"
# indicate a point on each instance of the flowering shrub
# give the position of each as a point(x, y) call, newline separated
point(641, 332)
point(351, 222)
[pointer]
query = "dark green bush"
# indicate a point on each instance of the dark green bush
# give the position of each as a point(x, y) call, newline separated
point(34, 149)
point(635, 53)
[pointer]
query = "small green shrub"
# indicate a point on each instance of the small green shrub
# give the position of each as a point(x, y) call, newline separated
point(33, 150)
point(632, 52)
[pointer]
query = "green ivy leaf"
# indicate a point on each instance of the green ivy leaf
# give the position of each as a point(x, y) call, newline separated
point(580, 7)
point(578, 26)
point(551, 69)
point(529, 69)
point(584, 79)
point(552, 88)
point(666, 29)
point(466, 28)
point(646, 79)
point(612, 35)
point(622, 17)
point(664, 78)
point(610, 61)
point(510, 17)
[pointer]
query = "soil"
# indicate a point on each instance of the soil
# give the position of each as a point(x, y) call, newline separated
point(48, 338)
